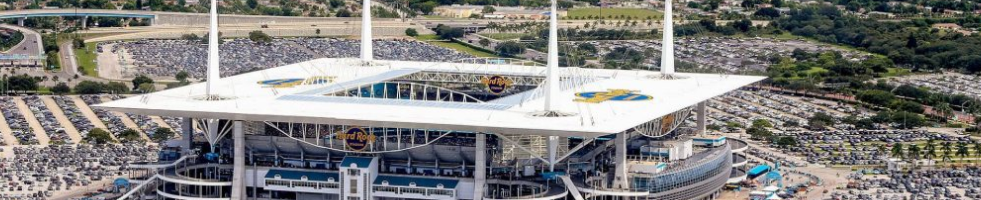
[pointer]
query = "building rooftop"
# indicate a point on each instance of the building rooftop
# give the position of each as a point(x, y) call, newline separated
point(362, 162)
point(257, 96)
point(418, 181)
point(298, 175)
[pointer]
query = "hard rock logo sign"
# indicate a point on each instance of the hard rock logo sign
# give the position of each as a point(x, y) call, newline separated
point(356, 139)
point(496, 84)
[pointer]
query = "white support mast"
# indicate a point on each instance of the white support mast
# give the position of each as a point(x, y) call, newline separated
point(366, 49)
point(213, 61)
point(667, 44)
point(552, 76)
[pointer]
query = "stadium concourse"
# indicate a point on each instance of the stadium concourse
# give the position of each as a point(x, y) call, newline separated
point(402, 122)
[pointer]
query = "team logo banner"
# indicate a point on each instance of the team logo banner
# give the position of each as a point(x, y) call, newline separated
point(496, 84)
point(611, 95)
point(291, 82)
point(356, 138)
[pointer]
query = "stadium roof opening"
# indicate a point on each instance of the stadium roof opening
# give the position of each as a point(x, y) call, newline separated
point(339, 91)
point(431, 85)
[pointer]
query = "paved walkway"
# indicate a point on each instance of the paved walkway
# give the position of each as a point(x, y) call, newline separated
point(42, 137)
point(62, 119)
point(7, 133)
point(127, 121)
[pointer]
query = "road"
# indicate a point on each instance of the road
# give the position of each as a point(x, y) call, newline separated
point(31, 45)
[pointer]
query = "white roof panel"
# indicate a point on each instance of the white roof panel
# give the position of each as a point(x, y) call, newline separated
point(306, 104)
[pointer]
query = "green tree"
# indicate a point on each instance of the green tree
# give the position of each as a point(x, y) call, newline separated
point(252, 3)
point(977, 150)
point(897, 150)
point(336, 3)
point(509, 48)
point(411, 32)
point(140, 80)
point(343, 13)
point(130, 135)
point(78, 43)
point(260, 37)
point(913, 151)
point(488, 10)
point(962, 151)
point(162, 134)
point(116, 88)
point(820, 120)
point(944, 110)
point(447, 32)
point(946, 148)
point(89, 87)
point(484, 42)
point(61, 88)
point(787, 141)
point(930, 149)
point(762, 123)
point(98, 136)
point(146, 88)
point(181, 76)
point(876, 97)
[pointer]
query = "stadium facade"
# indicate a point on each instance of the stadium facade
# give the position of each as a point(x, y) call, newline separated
point(488, 128)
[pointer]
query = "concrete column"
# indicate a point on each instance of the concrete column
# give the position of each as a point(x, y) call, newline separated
point(367, 54)
point(620, 176)
point(700, 120)
point(667, 41)
point(85, 22)
point(187, 127)
point(553, 148)
point(20, 21)
point(480, 167)
point(238, 167)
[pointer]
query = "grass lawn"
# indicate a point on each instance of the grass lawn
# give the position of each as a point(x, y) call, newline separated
point(86, 59)
point(463, 48)
point(613, 13)
point(504, 36)
point(816, 70)
point(427, 37)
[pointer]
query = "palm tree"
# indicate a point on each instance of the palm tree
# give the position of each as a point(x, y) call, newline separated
point(913, 151)
point(931, 149)
point(962, 150)
point(880, 149)
point(946, 150)
point(944, 110)
point(897, 150)
point(977, 150)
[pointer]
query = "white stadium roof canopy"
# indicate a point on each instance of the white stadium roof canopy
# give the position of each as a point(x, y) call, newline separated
point(512, 114)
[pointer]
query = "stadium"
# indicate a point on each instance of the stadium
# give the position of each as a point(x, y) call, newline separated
point(486, 128)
